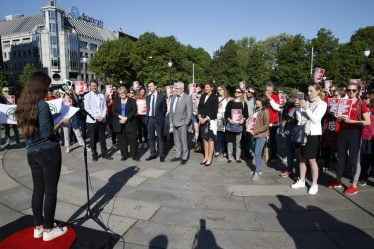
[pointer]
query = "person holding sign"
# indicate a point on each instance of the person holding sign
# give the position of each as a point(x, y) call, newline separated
point(235, 114)
point(309, 115)
point(141, 118)
point(124, 112)
point(5, 99)
point(260, 132)
point(223, 98)
point(349, 138)
point(43, 154)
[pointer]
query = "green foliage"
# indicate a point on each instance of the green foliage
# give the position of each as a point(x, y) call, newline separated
point(2, 78)
point(24, 77)
point(282, 59)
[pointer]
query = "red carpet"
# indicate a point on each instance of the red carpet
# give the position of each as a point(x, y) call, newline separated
point(24, 240)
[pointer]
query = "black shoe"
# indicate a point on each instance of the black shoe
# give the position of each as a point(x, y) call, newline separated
point(107, 157)
point(229, 161)
point(175, 159)
point(95, 158)
point(202, 163)
point(184, 162)
point(239, 161)
point(124, 158)
point(136, 159)
point(208, 164)
point(162, 159)
point(150, 158)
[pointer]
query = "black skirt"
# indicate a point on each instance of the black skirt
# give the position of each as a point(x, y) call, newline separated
point(310, 149)
point(206, 133)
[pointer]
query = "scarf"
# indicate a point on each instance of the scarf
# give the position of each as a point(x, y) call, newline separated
point(313, 104)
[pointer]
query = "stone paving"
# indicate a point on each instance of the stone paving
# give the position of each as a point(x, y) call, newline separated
point(168, 205)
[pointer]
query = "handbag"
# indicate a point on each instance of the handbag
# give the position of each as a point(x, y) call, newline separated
point(237, 128)
point(297, 134)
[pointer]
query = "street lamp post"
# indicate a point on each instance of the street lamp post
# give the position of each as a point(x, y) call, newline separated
point(170, 64)
point(85, 60)
point(367, 54)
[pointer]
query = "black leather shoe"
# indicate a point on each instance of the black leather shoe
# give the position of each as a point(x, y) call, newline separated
point(176, 159)
point(124, 158)
point(136, 159)
point(95, 158)
point(150, 158)
point(183, 162)
point(162, 159)
point(107, 157)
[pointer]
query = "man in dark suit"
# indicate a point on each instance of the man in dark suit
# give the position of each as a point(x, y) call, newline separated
point(180, 116)
point(156, 111)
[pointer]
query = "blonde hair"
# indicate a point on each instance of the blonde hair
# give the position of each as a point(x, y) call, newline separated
point(122, 89)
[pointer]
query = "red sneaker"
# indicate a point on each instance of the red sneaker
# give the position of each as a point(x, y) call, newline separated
point(335, 184)
point(351, 190)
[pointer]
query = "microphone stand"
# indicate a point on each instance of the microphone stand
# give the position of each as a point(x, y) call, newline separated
point(90, 214)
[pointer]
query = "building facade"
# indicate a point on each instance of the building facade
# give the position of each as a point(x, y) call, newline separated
point(55, 42)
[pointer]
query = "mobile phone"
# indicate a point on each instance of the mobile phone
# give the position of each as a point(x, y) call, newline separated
point(300, 95)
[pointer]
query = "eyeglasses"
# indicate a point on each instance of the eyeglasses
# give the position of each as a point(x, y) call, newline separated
point(238, 92)
point(352, 90)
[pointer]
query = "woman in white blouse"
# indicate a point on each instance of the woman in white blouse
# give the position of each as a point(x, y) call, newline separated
point(309, 114)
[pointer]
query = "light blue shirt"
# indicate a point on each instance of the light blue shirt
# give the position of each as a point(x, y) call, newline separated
point(95, 105)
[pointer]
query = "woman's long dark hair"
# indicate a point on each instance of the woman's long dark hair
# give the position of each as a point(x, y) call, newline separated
point(36, 89)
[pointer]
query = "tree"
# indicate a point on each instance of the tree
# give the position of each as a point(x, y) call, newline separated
point(292, 68)
point(114, 61)
point(326, 48)
point(2, 78)
point(28, 70)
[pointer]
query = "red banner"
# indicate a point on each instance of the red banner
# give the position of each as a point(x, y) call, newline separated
point(250, 124)
point(80, 87)
point(340, 107)
point(142, 106)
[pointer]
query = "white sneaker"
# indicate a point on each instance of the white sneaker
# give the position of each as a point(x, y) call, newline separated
point(38, 233)
point(67, 150)
point(298, 184)
point(54, 233)
point(313, 189)
point(255, 177)
point(260, 172)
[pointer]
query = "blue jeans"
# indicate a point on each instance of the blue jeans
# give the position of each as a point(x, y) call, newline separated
point(259, 144)
point(219, 143)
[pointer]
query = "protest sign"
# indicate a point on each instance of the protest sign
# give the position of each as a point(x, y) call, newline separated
point(237, 115)
point(80, 87)
point(11, 99)
point(192, 88)
point(318, 74)
point(340, 107)
point(66, 112)
point(250, 124)
point(142, 106)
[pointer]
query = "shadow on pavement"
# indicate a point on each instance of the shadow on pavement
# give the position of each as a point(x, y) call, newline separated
point(312, 227)
point(104, 195)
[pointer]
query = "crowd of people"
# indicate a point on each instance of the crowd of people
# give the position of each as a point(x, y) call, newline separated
point(303, 128)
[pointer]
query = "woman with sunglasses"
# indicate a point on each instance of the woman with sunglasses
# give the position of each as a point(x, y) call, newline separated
point(367, 147)
point(349, 139)
point(236, 113)
point(223, 98)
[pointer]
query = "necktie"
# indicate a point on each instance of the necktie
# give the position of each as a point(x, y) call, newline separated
point(176, 102)
point(152, 105)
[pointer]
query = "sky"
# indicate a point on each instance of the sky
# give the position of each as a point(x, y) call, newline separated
point(211, 23)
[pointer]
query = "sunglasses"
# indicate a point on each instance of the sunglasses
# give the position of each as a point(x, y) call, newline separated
point(5, 91)
point(366, 97)
point(352, 90)
point(238, 92)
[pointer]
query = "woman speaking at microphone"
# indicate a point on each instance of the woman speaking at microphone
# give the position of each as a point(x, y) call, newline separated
point(43, 154)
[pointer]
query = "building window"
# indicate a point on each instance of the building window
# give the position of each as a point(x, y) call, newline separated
point(52, 15)
point(93, 47)
point(83, 44)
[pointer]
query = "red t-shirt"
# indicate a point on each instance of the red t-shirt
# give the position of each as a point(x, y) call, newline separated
point(353, 115)
point(274, 115)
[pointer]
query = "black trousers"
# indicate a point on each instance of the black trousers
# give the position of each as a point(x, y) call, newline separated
point(96, 131)
point(125, 139)
point(45, 169)
point(159, 128)
point(15, 131)
point(273, 142)
point(142, 128)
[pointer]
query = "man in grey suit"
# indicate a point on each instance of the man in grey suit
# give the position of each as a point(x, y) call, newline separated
point(180, 116)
